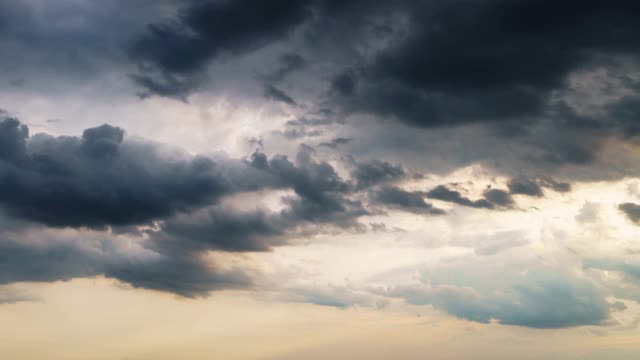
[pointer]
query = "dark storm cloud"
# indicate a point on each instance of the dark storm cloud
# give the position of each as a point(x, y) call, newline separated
point(499, 197)
point(493, 59)
point(81, 181)
point(411, 201)
point(287, 64)
point(100, 180)
point(13, 136)
point(344, 83)
point(223, 229)
point(443, 193)
point(204, 30)
point(322, 195)
point(525, 186)
point(103, 180)
point(183, 274)
point(632, 211)
point(561, 187)
point(20, 262)
point(534, 187)
point(492, 198)
point(68, 41)
point(376, 172)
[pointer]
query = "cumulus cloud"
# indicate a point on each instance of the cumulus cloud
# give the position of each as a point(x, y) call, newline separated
point(99, 179)
point(376, 172)
point(104, 185)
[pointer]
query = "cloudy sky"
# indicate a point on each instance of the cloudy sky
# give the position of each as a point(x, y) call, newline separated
point(312, 179)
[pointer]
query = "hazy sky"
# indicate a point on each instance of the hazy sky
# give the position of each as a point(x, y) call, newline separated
point(313, 179)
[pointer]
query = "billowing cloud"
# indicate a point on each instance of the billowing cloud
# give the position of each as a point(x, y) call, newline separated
point(99, 179)
point(103, 181)
point(170, 53)
point(376, 172)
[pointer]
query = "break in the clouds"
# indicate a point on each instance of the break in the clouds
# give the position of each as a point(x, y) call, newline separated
point(452, 130)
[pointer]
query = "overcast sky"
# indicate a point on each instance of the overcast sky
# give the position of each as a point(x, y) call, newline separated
point(312, 179)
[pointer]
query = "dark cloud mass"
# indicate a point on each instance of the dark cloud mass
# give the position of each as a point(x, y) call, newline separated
point(81, 181)
point(499, 197)
point(632, 211)
point(103, 180)
point(411, 201)
point(495, 59)
point(534, 187)
point(376, 172)
point(203, 30)
point(273, 93)
point(443, 193)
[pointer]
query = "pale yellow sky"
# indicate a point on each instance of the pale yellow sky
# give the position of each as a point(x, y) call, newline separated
point(97, 319)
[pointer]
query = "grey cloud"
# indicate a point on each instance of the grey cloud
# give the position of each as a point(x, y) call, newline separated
point(203, 30)
point(411, 201)
point(80, 182)
point(627, 287)
point(433, 80)
point(540, 298)
point(184, 275)
point(631, 210)
point(525, 186)
point(334, 296)
point(499, 197)
point(589, 213)
point(222, 229)
point(273, 93)
point(62, 44)
point(376, 172)
point(322, 196)
point(70, 181)
point(534, 186)
point(629, 268)
point(336, 142)
point(443, 193)
point(344, 83)
point(20, 262)
point(287, 64)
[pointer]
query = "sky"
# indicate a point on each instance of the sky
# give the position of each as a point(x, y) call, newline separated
point(312, 179)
